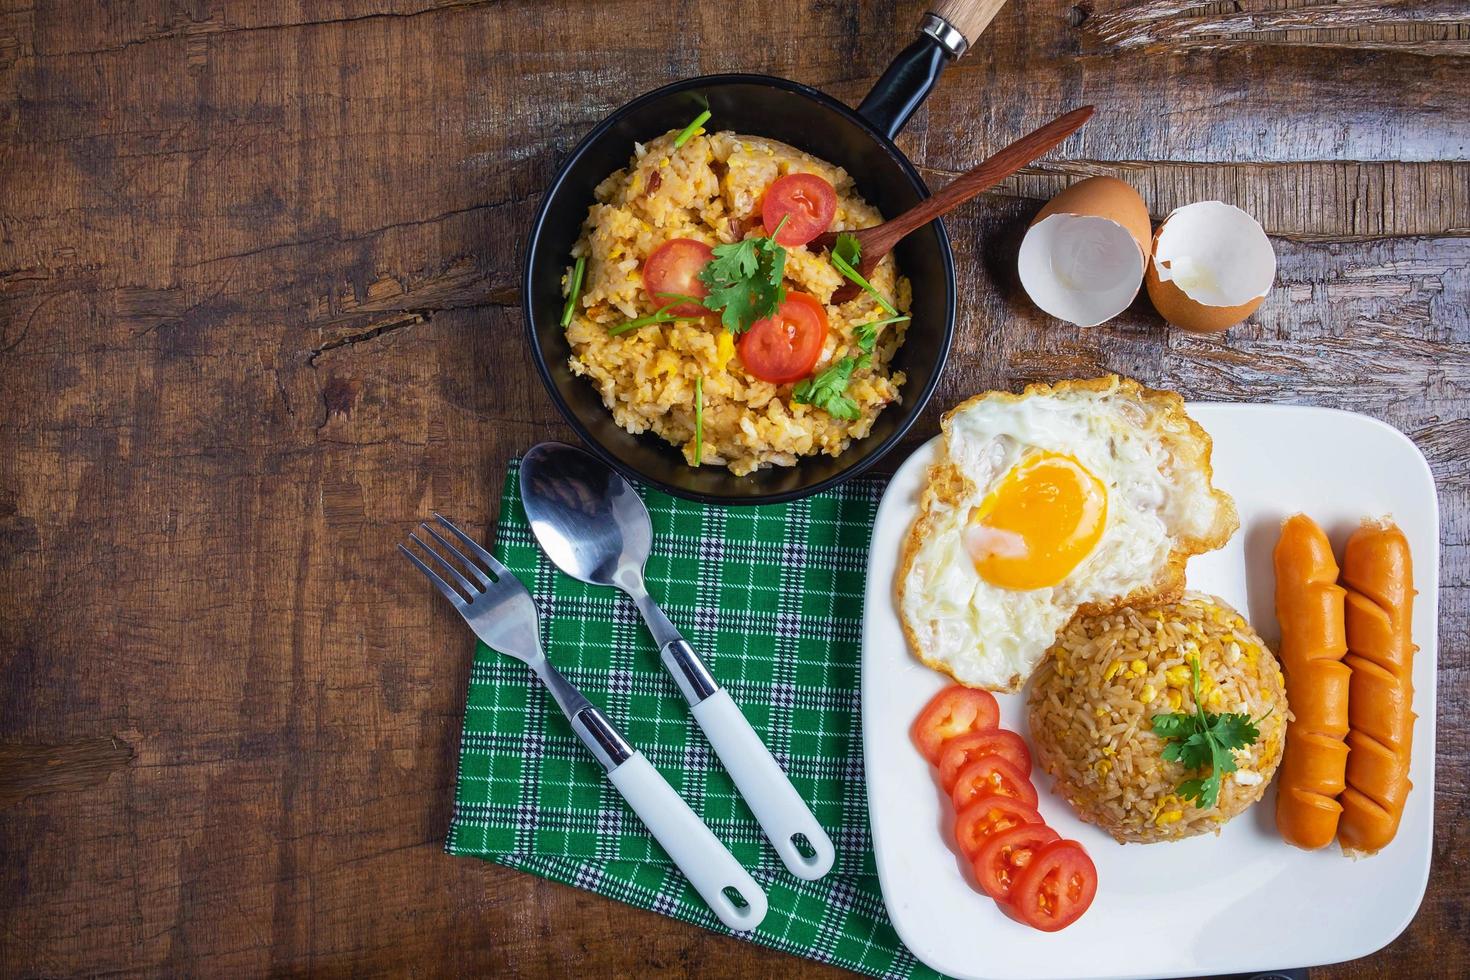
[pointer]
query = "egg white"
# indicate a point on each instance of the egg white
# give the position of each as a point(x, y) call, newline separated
point(1160, 502)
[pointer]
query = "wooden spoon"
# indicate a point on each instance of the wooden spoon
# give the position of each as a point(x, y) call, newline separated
point(879, 240)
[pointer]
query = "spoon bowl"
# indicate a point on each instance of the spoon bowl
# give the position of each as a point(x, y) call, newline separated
point(586, 517)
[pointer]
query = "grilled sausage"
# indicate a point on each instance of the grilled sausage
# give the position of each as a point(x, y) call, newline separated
point(1379, 576)
point(1309, 607)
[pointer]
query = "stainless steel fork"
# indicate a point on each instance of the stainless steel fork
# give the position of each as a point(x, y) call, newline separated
point(502, 613)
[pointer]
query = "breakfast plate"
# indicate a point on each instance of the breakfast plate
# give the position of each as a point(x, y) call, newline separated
point(1241, 901)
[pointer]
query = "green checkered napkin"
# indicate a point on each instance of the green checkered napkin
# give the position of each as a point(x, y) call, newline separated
point(773, 598)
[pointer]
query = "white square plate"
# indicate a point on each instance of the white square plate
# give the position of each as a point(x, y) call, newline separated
point(1239, 902)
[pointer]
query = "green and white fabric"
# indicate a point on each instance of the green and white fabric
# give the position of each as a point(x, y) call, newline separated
point(772, 597)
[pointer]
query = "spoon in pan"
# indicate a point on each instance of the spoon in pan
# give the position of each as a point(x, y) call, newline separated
point(879, 240)
point(593, 526)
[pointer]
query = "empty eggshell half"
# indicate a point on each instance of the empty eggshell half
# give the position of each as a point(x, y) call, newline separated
point(1212, 266)
point(1083, 257)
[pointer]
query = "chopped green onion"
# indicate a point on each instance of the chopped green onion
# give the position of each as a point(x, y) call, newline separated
point(679, 298)
point(699, 420)
point(579, 270)
point(661, 315)
point(841, 264)
point(688, 131)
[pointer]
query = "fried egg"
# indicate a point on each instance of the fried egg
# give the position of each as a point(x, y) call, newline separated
point(1084, 495)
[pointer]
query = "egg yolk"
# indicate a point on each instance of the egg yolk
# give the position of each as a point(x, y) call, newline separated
point(1040, 521)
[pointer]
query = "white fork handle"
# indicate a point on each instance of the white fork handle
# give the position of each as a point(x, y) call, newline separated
point(779, 808)
point(708, 864)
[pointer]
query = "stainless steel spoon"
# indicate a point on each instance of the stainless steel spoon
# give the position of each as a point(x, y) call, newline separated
point(593, 526)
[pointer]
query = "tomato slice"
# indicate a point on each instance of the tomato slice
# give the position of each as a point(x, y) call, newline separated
point(990, 775)
point(960, 752)
point(806, 201)
point(674, 267)
point(1055, 887)
point(1005, 856)
point(987, 817)
point(785, 347)
point(953, 712)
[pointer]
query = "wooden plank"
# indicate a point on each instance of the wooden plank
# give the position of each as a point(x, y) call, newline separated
point(259, 314)
point(1438, 27)
point(1368, 200)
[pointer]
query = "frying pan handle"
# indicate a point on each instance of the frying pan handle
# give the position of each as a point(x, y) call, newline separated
point(945, 33)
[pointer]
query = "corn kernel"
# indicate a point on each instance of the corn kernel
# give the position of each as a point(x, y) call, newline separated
point(1108, 750)
point(1168, 817)
point(1138, 667)
point(1112, 670)
point(1149, 693)
point(1178, 676)
point(1175, 700)
point(724, 349)
point(1214, 698)
point(1102, 767)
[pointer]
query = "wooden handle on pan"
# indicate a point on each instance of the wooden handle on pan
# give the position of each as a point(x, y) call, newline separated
point(969, 17)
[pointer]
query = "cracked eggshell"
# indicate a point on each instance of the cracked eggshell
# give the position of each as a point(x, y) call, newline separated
point(1212, 266)
point(1076, 262)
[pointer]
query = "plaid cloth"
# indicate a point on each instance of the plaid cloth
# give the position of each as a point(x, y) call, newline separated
point(773, 598)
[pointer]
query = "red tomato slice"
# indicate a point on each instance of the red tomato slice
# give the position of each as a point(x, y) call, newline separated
point(1003, 858)
point(806, 201)
point(951, 713)
point(960, 752)
point(785, 347)
point(674, 267)
point(991, 775)
point(987, 817)
point(1055, 887)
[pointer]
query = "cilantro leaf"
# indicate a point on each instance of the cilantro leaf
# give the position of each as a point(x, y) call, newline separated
point(1234, 730)
point(744, 280)
point(826, 390)
point(1196, 751)
point(1204, 740)
point(866, 334)
point(1205, 793)
point(848, 248)
point(1177, 725)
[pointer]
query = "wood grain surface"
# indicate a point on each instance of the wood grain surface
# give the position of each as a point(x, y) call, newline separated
point(259, 314)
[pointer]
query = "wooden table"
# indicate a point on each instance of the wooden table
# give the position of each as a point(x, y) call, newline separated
point(259, 313)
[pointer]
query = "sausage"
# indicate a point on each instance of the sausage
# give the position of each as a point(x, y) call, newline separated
point(1309, 607)
point(1378, 573)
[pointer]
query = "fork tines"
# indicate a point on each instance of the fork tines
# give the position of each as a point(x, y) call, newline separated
point(470, 591)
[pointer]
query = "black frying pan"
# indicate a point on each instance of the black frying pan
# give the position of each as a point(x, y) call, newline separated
point(861, 142)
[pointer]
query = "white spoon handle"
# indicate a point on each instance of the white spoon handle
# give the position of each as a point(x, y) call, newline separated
point(708, 865)
point(779, 808)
